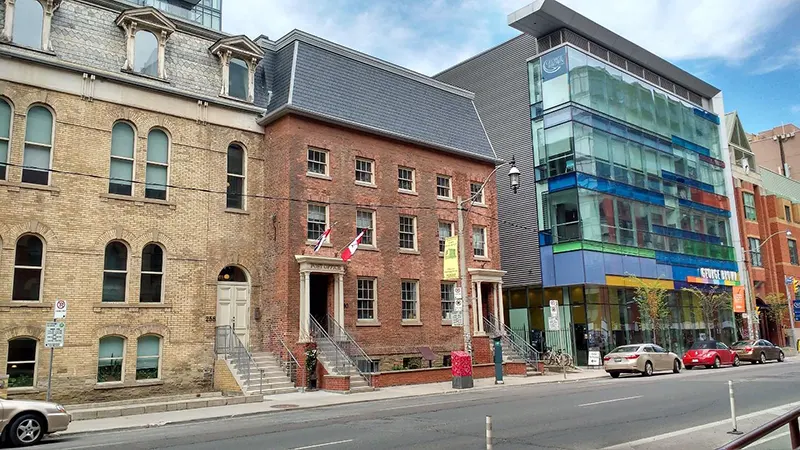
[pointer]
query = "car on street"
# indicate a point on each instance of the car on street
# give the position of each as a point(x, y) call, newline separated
point(711, 354)
point(758, 351)
point(25, 422)
point(645, 359)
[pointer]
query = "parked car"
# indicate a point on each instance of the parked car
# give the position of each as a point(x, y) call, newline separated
point(758, 351)
point(640, 358)
point(711, 354)
point(25, 422)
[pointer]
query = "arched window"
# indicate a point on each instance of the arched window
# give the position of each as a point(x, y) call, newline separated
point(123, 141)
point(236, 179)
point(5, 135)
point(152, 274)
point(110, 359)
point(21, 365)
point(238, 78)
point(28, 23)
point(38, 146)
point(28, 265)
point(115, 272)
point(145, 59)
point(157, 165)
point(148, 355)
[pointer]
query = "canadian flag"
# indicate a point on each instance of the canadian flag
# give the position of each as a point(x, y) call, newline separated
point(322, 239)
point(351, 249)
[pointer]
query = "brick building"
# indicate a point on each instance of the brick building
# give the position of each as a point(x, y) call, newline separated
point(768, 205)
point(169, 181)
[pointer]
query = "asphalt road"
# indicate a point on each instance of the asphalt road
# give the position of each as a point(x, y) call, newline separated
point(586, 415)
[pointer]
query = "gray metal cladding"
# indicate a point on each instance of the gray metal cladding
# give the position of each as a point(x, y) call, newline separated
point(499, 79)
point(331, 84)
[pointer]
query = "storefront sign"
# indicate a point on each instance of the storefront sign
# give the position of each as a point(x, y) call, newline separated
point(739, 305)
point(554, 64)
point(451, 258)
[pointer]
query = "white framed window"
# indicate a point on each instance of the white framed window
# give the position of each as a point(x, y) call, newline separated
point(235, 198)
point(365, 171)
point(28, 269)
point(443, 187)
point(408, 232)
point(38, 153)
point(148, 357)
point(123, 143)
point(409, 295)
point(5, 135)
point(152, 280)
point(157, 169)
point(21, 362)
point(115, 272)
point(366, 299)
point(110, 359)
point(445, 231)
point(476, 193)
point(365, 221)
point(448, 299)
point(479, 242)
point(316, 221)
point(317, 161)
point(406, 179)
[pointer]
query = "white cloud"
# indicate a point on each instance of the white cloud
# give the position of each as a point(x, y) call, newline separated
point(429, 36)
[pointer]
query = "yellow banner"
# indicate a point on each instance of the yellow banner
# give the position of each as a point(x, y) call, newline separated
point(451, 258)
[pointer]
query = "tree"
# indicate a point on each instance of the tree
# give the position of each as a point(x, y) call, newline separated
point(712, 302)
point(651, 297)
point(777, 307)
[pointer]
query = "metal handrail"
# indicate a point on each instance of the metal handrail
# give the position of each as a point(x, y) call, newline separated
point(790, 418)
point(288, 365)
point(523, 348)
point(228, 344)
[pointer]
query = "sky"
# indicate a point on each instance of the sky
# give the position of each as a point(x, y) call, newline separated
point(749, 49)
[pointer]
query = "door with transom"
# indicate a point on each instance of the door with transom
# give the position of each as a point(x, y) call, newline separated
point(233, 308)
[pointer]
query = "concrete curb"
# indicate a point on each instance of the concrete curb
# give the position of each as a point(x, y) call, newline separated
point(265, 412)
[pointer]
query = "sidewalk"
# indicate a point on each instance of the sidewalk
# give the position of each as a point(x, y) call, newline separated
point(306, 400)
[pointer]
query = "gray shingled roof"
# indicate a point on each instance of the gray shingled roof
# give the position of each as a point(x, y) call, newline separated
point(345, 86)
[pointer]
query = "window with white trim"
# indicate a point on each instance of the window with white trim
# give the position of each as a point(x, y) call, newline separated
point(479, 242)
point(445, 231)
point(365, 171)
point(317, 161)
point(365, 221)
point(152, 280)
point(409, 292)
point(115, 272)
point(236, 179)
point(38, 151)
point(157, 170)
point(406, 179)
point(443, 187)
point(316, 221)
point(476, 193)
point(5, 135)
point(408, 232)
point(28, 269)
point(448, 299)
point(123, 143)
point(366, 299)
point(148, 357)
point(21, 362)
point(110, 359)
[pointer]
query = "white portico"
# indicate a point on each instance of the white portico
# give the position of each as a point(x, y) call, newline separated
point(317, 274)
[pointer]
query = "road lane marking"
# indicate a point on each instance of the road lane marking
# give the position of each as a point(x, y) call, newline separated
point(326, 444)
point(610, 401)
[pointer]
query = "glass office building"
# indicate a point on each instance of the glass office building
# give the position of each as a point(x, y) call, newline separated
point(629, 182)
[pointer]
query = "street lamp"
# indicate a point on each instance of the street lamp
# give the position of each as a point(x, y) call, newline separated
point(513, 176)
point(751, 331)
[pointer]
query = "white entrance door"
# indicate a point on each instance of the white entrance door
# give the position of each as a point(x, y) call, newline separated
point(233, 308)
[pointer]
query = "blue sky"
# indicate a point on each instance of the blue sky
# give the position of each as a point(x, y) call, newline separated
point(750, 49)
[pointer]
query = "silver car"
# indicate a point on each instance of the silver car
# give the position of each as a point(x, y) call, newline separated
point(25, 422)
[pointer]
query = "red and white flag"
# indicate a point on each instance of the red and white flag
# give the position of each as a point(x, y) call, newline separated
point(351, 249)
point(322, 239)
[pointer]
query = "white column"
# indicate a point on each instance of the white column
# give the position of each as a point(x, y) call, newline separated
point(497, 311)
point(480, 308)
point(502, 306)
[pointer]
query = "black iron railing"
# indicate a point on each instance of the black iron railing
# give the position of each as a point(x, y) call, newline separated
point(790, 418)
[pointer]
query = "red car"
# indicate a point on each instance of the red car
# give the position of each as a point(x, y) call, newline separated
point(711, 354)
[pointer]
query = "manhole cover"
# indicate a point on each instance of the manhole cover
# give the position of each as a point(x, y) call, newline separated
point(284, 406)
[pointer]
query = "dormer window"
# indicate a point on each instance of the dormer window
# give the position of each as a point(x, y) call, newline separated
point(27, 22)
point(238, 57)
point(147, 31)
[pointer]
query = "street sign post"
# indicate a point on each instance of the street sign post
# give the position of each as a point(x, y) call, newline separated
point(60, 311)
point(53, 337)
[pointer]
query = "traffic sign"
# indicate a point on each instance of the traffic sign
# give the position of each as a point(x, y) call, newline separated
point(54, 335)
point(60, 311)
point(457, 293)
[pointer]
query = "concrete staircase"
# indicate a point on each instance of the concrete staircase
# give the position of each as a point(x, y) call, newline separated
point(274, 381)
point(326, 355)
